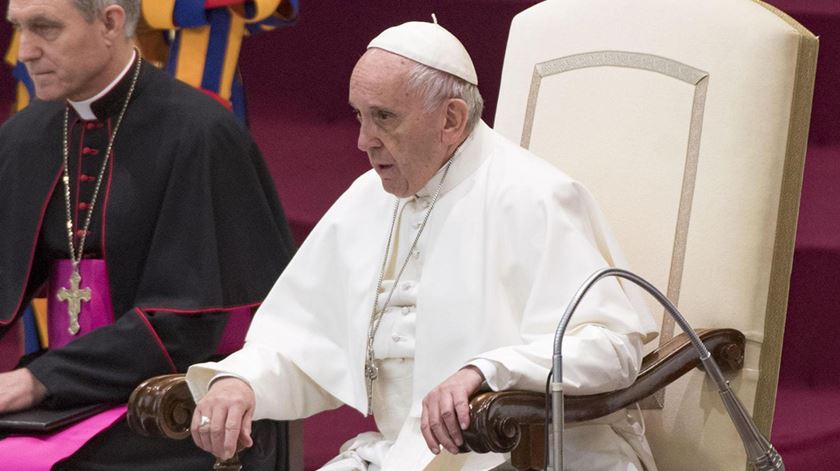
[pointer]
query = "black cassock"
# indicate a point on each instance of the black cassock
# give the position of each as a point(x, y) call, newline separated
point(189, 225)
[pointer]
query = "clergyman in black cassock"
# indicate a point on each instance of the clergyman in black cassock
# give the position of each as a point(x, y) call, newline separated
point(187, 222)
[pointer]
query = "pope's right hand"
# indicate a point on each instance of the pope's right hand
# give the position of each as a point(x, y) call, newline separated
point(222, 418)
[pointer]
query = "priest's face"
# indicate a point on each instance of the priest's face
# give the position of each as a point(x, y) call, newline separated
point(402, 138)
point(64, 54)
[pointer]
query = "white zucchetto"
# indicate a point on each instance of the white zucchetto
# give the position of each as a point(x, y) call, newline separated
point(429, 44)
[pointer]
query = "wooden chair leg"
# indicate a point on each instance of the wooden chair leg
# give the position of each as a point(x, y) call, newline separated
point(529, 454)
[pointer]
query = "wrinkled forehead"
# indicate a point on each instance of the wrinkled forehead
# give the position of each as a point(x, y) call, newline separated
point(378, 68)
point(29, 10)
point(382, 65)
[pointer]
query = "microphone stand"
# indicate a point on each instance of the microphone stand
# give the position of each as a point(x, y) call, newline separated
point(761, 456)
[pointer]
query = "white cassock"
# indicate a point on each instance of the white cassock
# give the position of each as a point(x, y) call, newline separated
point(508, 243)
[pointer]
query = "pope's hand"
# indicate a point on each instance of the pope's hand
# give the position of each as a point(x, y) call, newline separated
point(222, 418)
point(20, 390)
point(446, 410)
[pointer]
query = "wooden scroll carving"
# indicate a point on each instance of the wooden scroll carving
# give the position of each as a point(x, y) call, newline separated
point(512, 421)
point(163, 407)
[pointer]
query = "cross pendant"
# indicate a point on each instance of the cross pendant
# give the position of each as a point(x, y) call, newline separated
point(74, 297)
point(371, 371)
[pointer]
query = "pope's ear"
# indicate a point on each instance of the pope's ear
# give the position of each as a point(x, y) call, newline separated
point(457, 114)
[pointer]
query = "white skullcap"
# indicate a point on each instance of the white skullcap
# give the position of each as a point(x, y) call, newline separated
point(429, 44)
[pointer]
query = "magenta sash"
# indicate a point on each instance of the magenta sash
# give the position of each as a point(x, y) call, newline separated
point(93, 314)
point(233, 337)
point(41, 452)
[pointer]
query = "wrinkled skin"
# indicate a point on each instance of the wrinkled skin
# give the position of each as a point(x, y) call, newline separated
point(67, 56)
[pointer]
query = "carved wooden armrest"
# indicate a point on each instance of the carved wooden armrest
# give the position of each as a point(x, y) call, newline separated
point(163, 407)
point(505, 421)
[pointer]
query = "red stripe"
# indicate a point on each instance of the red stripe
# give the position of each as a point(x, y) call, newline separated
point(142, 315)
point(208, 4)
point(75, 202)
point(227, 104)
point(202, 310)
point(46, 203)
point(104, 207)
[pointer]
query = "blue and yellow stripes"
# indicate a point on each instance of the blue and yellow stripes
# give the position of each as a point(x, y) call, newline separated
point(25, 88)
point(34, 320)
point(206, 57)
point(208, 38)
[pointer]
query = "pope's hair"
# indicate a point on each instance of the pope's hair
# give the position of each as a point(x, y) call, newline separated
point(90, 8)
point(435, 86)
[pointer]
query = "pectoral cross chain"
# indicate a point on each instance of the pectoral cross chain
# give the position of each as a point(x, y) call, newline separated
point(74, 297)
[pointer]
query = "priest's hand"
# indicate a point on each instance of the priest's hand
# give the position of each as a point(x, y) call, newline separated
point(446, 410)
point(222, 418)
point(20, 390)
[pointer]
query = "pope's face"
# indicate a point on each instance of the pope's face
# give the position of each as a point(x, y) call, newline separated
point(402, 139)
point(64, 54)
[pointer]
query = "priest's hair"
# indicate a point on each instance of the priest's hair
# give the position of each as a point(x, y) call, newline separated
point(435, 86)
point(90, 8)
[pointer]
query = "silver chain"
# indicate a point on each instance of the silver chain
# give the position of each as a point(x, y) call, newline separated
point(376, 315)
point(76, 256)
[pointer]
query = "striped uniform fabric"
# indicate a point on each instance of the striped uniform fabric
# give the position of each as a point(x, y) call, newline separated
point(25, 87)
point(205, 46)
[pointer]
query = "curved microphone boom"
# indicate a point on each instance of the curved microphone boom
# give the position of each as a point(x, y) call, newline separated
point(761, 456)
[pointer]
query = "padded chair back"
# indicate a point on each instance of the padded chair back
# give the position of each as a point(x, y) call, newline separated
point(688, 120)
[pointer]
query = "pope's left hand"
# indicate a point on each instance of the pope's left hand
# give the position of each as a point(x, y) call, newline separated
point(446, 410)
point(20, 390)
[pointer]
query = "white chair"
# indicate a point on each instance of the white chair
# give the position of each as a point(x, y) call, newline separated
point(688, 120)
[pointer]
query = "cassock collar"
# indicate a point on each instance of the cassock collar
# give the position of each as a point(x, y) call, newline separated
point(465, 161)
point(109, 101)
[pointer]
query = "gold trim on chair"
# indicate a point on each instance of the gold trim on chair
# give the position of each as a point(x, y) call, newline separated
point(791, 187)
point(670, 68)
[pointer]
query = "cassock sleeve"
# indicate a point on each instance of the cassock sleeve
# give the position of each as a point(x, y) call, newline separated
point(282, 390)
point(108, 363)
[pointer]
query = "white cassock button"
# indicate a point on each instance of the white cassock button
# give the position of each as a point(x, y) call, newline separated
point(396, 338)
point(405, 310)
point(417, 224)
point(406, 286)
point(415, 253)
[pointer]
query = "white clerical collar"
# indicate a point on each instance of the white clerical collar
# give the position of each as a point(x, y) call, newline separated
point(465, 161)
point(83, 107)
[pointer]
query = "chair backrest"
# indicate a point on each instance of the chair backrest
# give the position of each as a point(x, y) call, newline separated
point(688, 120)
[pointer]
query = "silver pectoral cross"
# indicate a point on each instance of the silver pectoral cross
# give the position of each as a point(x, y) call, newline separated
point(74, 297)
point(371, 372)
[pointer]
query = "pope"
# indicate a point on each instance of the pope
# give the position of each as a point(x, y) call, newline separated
point(443, 270)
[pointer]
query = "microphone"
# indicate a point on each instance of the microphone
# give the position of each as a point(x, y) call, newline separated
point(761, 456)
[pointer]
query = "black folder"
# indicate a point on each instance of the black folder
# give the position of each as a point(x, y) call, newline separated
point(42, 420)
